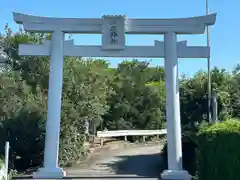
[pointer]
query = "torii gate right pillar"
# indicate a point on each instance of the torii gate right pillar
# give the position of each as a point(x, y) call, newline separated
point(172, 103)
point(174, 145)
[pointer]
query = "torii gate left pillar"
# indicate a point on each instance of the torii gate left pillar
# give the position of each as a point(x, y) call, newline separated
point(50, 166)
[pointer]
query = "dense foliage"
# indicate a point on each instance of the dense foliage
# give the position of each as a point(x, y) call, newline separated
point(131, 96)
point(218, 154)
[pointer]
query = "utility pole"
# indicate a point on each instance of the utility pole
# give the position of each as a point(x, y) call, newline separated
point(209, 71)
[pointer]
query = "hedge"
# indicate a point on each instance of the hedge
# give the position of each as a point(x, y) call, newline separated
point(218, 154)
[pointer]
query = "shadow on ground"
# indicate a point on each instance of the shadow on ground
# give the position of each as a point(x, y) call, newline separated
point(94, 178)
point(149, 165)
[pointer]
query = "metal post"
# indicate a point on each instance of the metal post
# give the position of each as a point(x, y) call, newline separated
point(215, 108)
point(6, 160)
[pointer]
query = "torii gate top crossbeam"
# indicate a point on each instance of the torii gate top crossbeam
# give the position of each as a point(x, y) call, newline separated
point(193, 25)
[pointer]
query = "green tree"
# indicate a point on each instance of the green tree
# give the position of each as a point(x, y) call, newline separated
point(135, 104)
point(235, 92)
point(85, 88)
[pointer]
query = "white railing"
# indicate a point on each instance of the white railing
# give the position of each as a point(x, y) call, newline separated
point(125, 133)
point(4, 170)
point(130, 133)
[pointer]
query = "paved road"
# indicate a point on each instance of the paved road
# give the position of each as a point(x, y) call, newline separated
point(128, 163)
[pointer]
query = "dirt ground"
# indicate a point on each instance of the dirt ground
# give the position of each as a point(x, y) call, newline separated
point(142, 161)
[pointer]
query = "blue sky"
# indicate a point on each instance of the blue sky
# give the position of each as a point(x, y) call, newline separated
point(225, 38)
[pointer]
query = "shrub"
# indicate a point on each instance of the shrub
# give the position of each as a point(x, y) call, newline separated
point(1, 162)
point(25, 135)
point(71, 147)
point(23, 110)
point(218, 154)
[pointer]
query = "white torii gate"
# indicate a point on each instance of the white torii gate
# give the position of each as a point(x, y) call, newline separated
point(113, 30)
